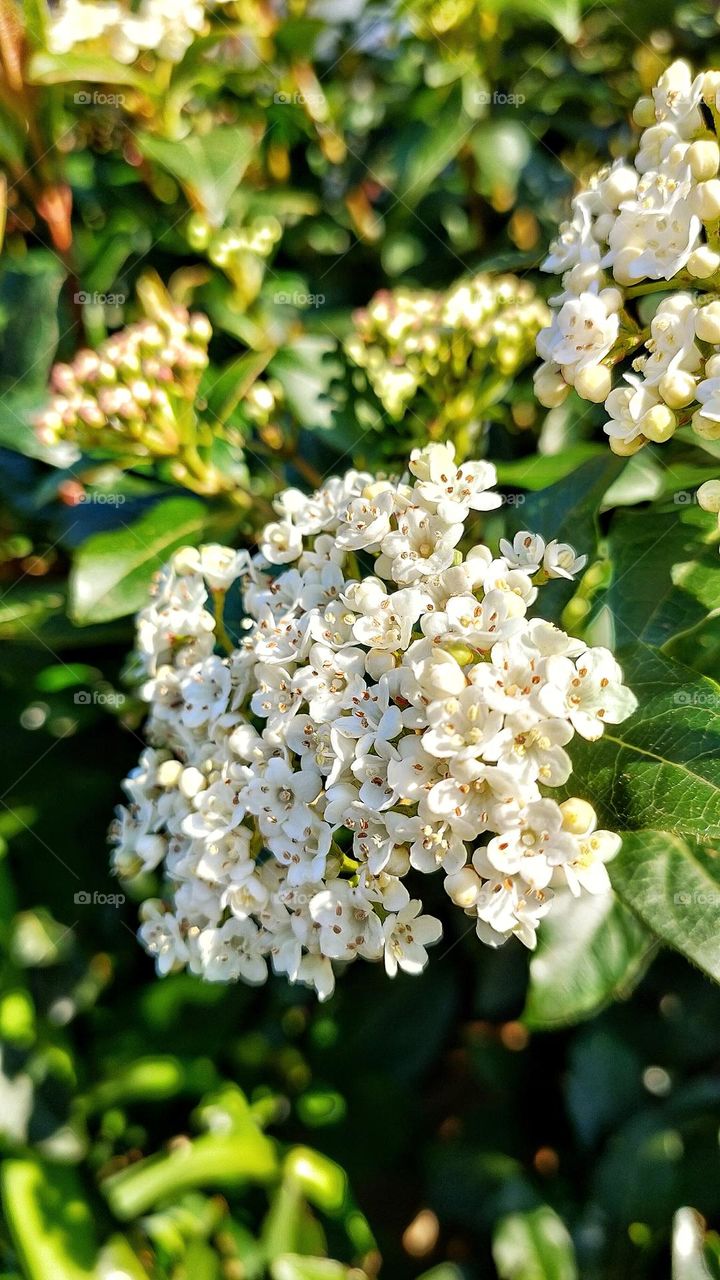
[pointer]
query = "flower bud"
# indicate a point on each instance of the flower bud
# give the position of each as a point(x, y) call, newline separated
point(659, 423)
point(579, 817)
point(708, 495)
point(644, 113)
point(168, 774)
point(186, 560)
point(704, 159)
point(707, 323)
point(463, 887)
point(623, 266)
point(707, 428)
point(550, 387)
point(677, 388)
point(705, 200)
point(703, 262)
point(626, 448)
point(594, 383)
point(621, 184)
point(192, 782)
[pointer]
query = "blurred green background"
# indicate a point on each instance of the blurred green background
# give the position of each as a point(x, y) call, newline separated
point(433, 1127)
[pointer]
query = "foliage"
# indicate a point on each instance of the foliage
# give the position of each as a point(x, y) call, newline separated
point(496, 1116)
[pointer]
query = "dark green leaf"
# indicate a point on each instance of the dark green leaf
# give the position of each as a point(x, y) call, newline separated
point(112, 571)
point(590, 950)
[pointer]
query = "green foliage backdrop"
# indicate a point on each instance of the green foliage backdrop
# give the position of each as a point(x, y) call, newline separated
point(540, 1119)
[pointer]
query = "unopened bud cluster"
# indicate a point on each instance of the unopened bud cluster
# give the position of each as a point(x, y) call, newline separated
point(133, 395)
point(646, 227)
point(240, 252)
point(449, 346)
point(393, 708)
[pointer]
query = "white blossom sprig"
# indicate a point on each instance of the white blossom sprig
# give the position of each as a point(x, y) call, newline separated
point(650, 225)
point(392, 709)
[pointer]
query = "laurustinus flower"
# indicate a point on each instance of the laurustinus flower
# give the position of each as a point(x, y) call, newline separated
point(645, 226)
point(393, 706)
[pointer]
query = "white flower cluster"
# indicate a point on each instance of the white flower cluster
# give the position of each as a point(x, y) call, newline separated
point(167, 27)
point(635, 225)
point(390, 711)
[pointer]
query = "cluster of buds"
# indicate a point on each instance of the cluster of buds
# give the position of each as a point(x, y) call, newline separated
point(240, 252)
point(650, 226)
point(125, 32)
point(458, 348)
point(131, 396)
point(134, 399)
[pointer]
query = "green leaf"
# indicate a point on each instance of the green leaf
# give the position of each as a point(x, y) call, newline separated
point(35, 21)
point(212, 1160)
point(540, 470)
point(112, 570)
point(231, 385)
point(673, 884)
point(209, 168)
point(117, 1260)
point(50, 1222)
point(291, 1266)
point(563, 15)
point(661, 767)
point(66, 68)
point(533, 1246)
point(29, 292)
point(567, 510)
point(321, 1180)
point(305, 373)
point(666, 573)
point(590, 950)
point(423, 150)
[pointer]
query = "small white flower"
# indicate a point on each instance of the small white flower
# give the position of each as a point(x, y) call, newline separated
point(407, 935)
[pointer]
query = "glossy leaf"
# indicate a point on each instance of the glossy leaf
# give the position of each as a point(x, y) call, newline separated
point(661, 767)
point(112, 571)
point(590, 950)
point(209, 168)
point(673, 884)
point(533, 1246)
